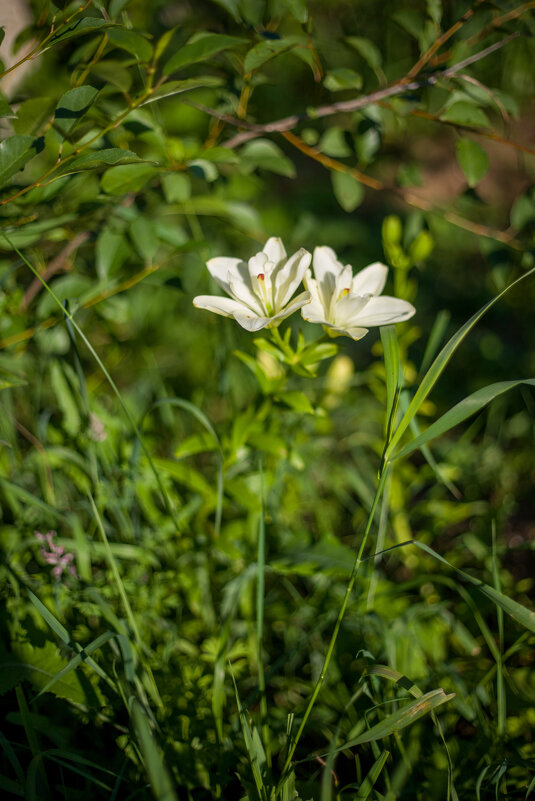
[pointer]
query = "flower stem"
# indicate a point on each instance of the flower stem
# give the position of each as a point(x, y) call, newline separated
point(341, 613)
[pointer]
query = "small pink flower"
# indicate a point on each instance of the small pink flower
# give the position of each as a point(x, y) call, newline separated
point(55, 555)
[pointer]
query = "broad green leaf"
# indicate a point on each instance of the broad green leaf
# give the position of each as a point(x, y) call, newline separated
point(265, 51)
point(33, 115)
point(113, 72)
point(72, 106)
point(15, 151)
point(298, 8)
point(116, 6)
point(522, 211)
point(435, 371)
point(66, 400)
point(143, 235)
point(202, 49)
point(132, 42)
point(127, 178)
point(403, 717)
point(267, 155)
point(410, 20)
point(171, 88)
point(367, 49)
point(342, 78)
point(347, 190)
point(77, 28)
point(297, 401)
point(333, 143)
point(111, 155)
point(176, 187)
point(110, 252)
point(472, 159)
point(77, 660)
point(465, 113)
point(461, 411)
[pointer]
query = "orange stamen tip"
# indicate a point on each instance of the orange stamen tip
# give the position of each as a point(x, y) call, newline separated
point(345, 292)
point(261, 277)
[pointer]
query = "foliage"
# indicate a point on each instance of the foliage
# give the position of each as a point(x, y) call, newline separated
point(303, 565)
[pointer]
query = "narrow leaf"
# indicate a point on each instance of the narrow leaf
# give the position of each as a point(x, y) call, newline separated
point(15, 151)
point(465, 408)
point(201, 49)
point(435, 371)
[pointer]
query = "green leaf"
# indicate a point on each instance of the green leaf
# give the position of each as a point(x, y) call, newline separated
point(33, 115)
point(401, 719)
point(373, 774)
point(297, 8)
point(465, 113)
point(461, 411)
point(132, 42)
point(342, 78)
point(265, 51)
point(520, 613)
point(127, 178)
point(176, 187)
point(347, 190)
point(5, 108)
point(113, 72)
point(77, 28)
point(71, 107)
point(439, 364)
point(367, 49)
point(472, 159)
point(15, 151)
point(143, 235)
point(202, 49)
point(66, 401)
point(267, 155)
point(111, 155)
point(333, 143)
point(152, 757)
point(392, 369)
point(297, 401)
point(171, 88)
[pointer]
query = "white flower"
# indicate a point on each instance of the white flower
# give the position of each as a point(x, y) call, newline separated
point(347, 304)
point(261, 289)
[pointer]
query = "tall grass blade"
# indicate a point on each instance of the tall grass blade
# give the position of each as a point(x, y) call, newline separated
point(520, 613)
point(77, 660)
point(436, 336)
point(373, 774)
point(392, 369)
point(180, 403)
point(255, 751)
point(461, 411)
point(159, 778)
point(109, 379)
point(435, 371)
point(402, 718)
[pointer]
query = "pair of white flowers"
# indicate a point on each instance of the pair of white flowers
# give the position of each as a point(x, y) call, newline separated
point(262, 289)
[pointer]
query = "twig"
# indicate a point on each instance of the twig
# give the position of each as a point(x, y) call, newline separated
point(287, 123)
point(406, 195)
point(437, 44)
point(59, 263)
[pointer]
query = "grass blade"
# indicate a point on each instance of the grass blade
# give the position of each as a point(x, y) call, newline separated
point(461, 411)
point(435, 371)
point(373, 774)
point(152, 759)
point(402, 718)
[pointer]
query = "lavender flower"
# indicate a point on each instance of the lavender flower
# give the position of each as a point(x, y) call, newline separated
point(55, 555)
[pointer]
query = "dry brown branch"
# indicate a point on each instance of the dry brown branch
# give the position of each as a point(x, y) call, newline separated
point(407, 196)
point(59, 263)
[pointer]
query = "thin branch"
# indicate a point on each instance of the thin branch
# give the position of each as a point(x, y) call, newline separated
point(287, 123)
point(407, 196)
point(58, 263)
point(437, 44)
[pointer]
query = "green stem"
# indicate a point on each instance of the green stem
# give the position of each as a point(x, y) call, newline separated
point(341, 613)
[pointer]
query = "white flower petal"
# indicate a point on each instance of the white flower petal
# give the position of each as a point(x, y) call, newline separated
point(288, 276)
point(274, 249)
point(348, 309)
point(225, 306)
point(251, 322)
point(326, 269)
point(371, 280)
point(295, 304)
point(244, 294)
point(220, 267)
point(384, 311)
